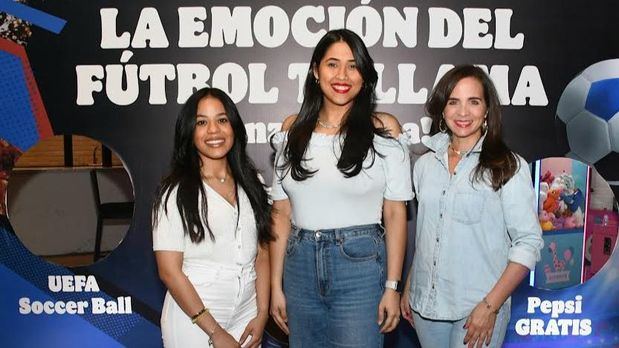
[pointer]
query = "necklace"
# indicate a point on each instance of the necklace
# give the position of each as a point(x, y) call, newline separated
point(459, 153)
point(328, 125)
point(221, 180)
point(230, 196)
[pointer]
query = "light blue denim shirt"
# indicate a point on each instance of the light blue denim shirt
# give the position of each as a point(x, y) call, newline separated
point(467, 232)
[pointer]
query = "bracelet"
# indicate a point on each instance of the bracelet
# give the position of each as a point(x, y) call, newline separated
point(489, 306)
point(210, 333)
point(195, 318)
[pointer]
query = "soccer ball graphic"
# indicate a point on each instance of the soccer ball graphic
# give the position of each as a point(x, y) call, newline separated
point(588, 110)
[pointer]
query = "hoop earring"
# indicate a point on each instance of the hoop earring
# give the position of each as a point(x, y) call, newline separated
point(441, 126)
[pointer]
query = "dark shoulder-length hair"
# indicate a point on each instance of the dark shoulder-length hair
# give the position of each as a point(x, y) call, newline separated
point(186, 178)
point(496, 160)
point(358, 128)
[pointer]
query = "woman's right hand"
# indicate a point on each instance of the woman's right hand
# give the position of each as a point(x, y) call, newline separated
point(222, 339)
point(278, 309)
point(405, 307)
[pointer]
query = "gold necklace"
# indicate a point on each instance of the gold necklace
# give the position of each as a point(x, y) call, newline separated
point(459, 153)
point(328, 125)
point(231, 194)
point(221, 180)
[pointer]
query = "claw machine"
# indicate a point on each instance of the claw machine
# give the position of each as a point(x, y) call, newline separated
point(562, 186)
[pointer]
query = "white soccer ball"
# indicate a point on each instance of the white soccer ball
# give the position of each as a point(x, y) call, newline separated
point(589, 111)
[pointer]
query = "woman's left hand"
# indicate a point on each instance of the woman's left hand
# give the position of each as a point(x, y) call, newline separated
point(389, 311)
point(255, 328)
point(405, 306)
point(479, 326)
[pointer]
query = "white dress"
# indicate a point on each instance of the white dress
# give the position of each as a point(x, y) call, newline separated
point(222, 272)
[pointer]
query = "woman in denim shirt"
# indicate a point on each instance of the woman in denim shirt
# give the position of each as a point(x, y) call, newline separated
point(477, 230)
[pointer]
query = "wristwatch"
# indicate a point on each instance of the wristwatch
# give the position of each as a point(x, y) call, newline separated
point(394, 285)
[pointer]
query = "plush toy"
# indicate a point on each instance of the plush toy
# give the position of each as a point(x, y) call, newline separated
point(579, 217)
point(545, 220)
point(551, 204)
point(543, 191)
point(569, 184)
point(574, 200)
point(565, 182)
point(570, 222)
point(548, 178)
point(558, 222)
point(547, 226)
point(563, 210)
point(558, 184)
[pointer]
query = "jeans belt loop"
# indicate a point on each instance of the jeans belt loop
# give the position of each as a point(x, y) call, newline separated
point(339, 239)
point(381, 231)
point(294, 230)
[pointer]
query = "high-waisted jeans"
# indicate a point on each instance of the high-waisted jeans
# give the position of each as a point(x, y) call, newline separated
point(229, 293)
point(333, 282)
point(450, 333)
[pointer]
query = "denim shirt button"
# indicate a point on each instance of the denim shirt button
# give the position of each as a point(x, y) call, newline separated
point(437, 239)
point(444, 191)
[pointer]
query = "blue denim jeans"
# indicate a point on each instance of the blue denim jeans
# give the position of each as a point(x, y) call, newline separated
point(450, 334)
point(333, 282)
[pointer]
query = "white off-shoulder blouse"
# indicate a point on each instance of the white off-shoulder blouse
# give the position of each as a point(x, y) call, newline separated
point(330, 200)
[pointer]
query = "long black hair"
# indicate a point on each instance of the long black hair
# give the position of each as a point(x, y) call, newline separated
point(186, 177)
point(358, 127)
point(495, 158)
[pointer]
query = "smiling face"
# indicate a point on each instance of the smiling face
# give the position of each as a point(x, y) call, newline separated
point(465, 112)
point(340, 80)
point(213, 135)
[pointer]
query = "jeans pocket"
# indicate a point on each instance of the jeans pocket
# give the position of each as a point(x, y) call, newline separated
point(291, 245)
point(361, 248)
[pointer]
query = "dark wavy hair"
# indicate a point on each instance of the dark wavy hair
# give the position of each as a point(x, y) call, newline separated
point(358, 127)
point(495, 159)
point(185, 172)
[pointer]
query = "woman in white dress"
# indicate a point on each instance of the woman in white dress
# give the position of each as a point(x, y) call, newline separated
point(210, 231)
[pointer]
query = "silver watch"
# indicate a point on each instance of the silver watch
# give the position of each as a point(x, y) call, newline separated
point(393, 285)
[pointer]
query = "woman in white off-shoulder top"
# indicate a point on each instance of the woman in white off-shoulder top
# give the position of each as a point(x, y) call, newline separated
point(340, 169)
